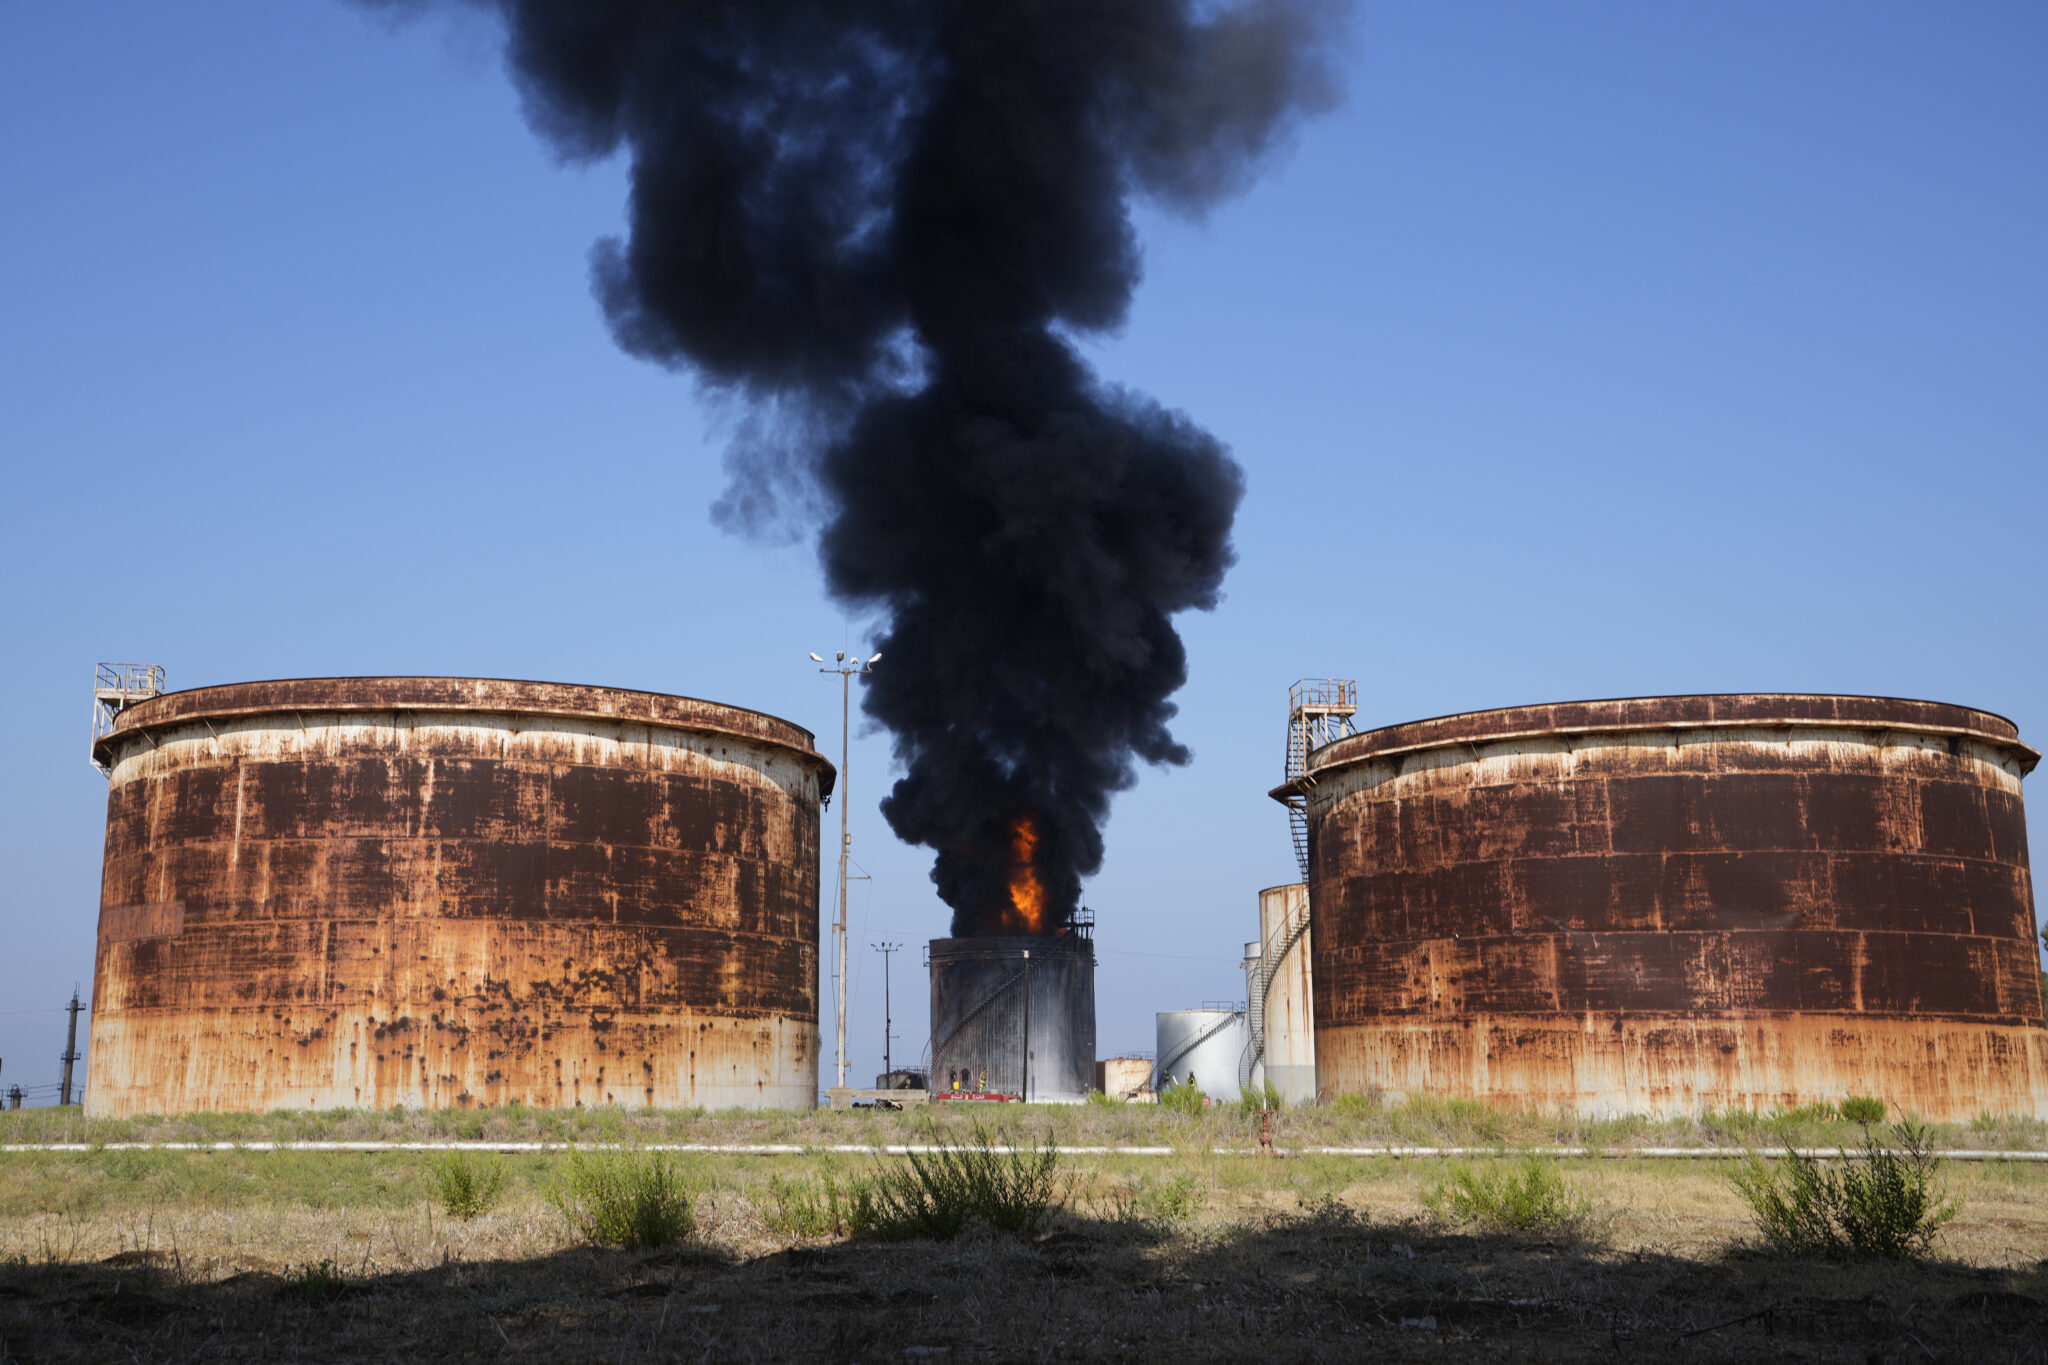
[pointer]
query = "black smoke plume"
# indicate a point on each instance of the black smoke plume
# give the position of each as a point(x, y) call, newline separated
point(878, 223)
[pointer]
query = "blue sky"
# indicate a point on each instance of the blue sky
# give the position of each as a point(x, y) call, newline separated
point(1588, 350)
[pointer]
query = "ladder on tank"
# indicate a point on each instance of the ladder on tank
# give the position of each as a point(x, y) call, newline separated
point(1319, 711)
point(115, 688)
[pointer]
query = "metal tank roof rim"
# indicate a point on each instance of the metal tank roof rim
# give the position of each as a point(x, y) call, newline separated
point(1722, 711)
point(453, 694)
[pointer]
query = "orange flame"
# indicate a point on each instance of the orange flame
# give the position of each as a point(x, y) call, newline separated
point(1026, 914)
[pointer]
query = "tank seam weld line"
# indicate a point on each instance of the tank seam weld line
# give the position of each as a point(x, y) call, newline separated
point(921, 1149)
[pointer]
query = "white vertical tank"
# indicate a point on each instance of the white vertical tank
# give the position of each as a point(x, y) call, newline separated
point(1209, 1042)
point(1288, 1007)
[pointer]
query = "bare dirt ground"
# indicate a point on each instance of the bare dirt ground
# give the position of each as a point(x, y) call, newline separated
point(344, 1257)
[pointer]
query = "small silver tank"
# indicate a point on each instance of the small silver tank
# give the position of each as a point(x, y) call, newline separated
point(1209, 1042)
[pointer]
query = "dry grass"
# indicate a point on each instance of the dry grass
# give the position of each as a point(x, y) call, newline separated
point(243, 1256)
point(1351, 1120)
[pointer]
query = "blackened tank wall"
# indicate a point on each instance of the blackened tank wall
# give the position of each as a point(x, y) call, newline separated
point(979, 1015)
point(1672, 903)
point(442, 891)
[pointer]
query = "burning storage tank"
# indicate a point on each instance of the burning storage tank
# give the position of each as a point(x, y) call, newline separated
point(455, 891)
point(992, 992)
point(1669, 903)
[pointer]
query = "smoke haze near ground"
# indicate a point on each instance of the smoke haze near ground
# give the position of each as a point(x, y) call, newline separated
point(876, 226)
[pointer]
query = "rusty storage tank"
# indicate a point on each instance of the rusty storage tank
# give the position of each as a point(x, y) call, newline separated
point(1125, 1078)
point(988, 991)
point(455, 891)
point(1671, 903)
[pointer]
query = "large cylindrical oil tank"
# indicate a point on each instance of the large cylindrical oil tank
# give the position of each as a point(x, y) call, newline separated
point(1666, 904)
point(1209, 1042)
point(989, 992)
point(455, 891)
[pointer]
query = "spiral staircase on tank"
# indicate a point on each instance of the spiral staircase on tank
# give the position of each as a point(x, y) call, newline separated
point(1319, 712)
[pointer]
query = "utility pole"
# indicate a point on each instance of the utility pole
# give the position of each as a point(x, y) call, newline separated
point(845, 671)
point(70, 1050)
point(1025, 1090)
point(888, 1018)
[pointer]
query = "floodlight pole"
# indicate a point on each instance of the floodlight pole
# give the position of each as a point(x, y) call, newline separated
point(888, 1016)
point(845, 672)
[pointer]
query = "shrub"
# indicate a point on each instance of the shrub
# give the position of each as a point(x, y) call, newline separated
point(1267, 1096)
point(938, 1194)
point(632, 1200)
point(1863, 1109)
point(1888, 1203)
point(814, 1207)
point(466, 1184)
point(1099, 1100)
point(1530, 1195)
point(1182, 1097)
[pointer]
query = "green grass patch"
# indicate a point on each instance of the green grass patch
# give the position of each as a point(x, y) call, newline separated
point(810, 1206)
point(630, 1200)
point(1529, 1195)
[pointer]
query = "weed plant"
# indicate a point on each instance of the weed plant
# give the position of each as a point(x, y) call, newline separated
point(1184, 1098)
point(1172, 1203)
point(467, 1184)
point(1352, 1105)
point(1529, 1195)
point(1455, 1122)
point(316, 1283)
point(1863, 1109)
point(1887, 1204)
point(939, 1194)
point(1252, 1102)
point(630, 1200)
point(815, 1206)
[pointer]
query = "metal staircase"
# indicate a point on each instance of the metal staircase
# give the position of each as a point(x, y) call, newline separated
point(115, 688)
point(1319, 710)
